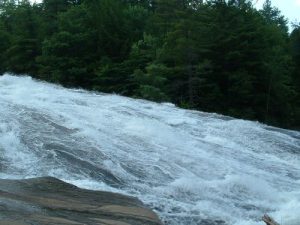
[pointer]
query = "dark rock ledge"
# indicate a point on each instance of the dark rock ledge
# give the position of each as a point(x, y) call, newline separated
point(49, 201)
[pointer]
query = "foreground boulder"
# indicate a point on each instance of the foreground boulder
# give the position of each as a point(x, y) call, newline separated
point(49, 201)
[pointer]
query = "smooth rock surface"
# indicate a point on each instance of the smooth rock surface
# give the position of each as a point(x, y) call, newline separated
point(49, 201)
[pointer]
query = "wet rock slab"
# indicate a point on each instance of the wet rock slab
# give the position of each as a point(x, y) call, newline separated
point(49, 201)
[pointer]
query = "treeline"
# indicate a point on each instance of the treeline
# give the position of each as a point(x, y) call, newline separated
point(216, 55)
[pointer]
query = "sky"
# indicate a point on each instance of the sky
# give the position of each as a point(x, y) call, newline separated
point(289, 8)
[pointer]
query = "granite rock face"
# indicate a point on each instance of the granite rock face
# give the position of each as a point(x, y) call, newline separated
point(49, 201)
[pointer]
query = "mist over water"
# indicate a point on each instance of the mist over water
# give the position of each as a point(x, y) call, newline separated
point(192, 168)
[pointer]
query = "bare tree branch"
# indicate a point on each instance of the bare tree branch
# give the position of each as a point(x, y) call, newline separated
point(269, 220)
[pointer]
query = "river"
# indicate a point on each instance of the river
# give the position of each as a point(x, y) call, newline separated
point(192, 168)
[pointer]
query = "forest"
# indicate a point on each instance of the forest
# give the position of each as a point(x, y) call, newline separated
point(219, 56)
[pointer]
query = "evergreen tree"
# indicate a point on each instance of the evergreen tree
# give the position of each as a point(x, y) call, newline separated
point(295, 49)
point(216, 55)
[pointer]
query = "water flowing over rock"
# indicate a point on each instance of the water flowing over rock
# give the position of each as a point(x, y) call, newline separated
point(190, 167)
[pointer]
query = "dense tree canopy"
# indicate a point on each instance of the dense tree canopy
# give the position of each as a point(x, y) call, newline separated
point(217, 56)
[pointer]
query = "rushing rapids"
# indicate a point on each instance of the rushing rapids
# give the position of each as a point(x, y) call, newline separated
point(190, 167)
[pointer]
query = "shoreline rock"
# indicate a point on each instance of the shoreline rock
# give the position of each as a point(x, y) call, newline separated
point(49, 201)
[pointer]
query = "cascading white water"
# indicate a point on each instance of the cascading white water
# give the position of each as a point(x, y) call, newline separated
point(190, 167)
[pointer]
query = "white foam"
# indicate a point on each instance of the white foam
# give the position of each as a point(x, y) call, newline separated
point(189, 166)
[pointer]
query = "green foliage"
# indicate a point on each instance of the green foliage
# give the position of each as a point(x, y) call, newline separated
point(217, 56)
